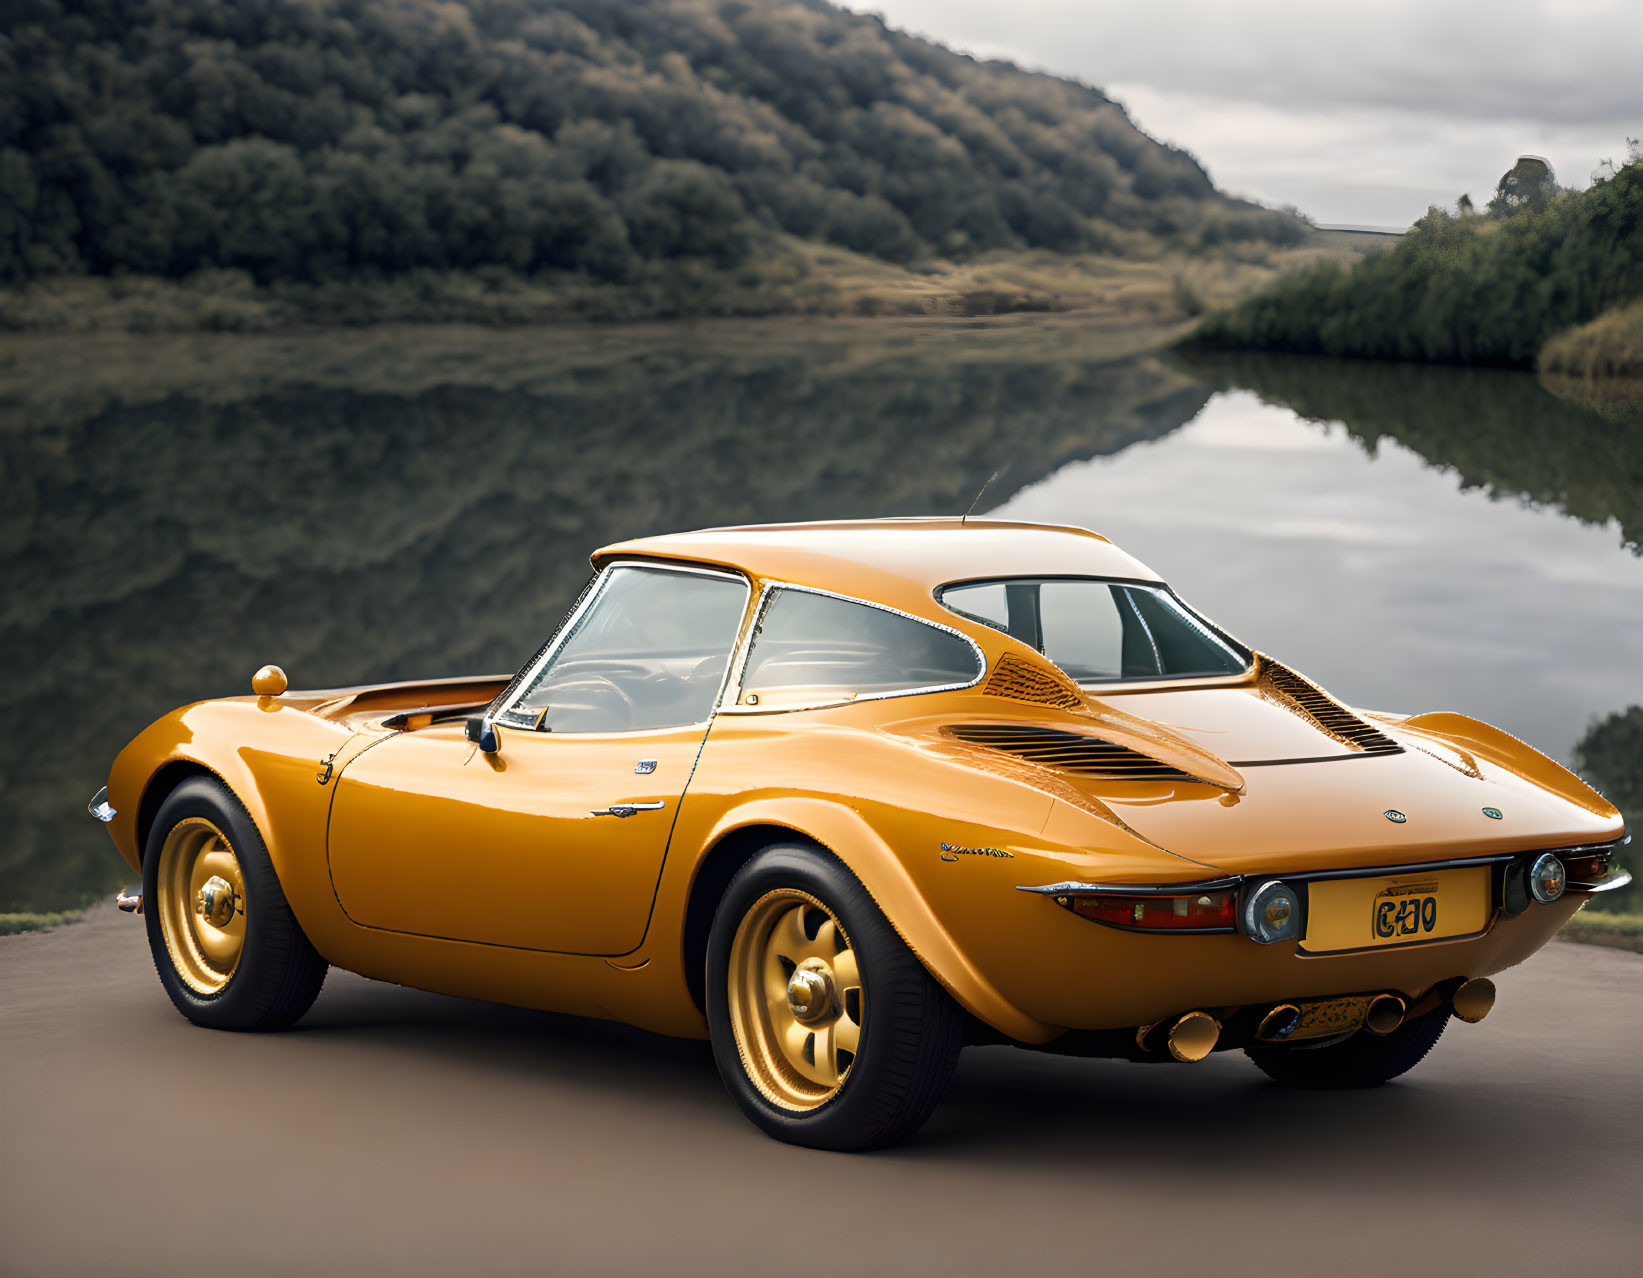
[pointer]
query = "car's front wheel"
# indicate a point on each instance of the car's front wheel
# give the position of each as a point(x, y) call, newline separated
point(227, 948)
point(1364, 1060)
point(826, 1028)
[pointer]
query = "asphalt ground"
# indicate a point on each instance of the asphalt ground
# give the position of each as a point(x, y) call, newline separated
point(398, 1132)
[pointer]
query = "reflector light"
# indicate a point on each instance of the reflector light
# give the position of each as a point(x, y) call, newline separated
point(1194, 912)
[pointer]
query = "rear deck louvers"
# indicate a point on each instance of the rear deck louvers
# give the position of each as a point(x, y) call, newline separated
point(1020, 681)
point(1069, 751)
point(1282, 684)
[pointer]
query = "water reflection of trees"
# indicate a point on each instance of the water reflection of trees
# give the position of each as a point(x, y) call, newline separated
point(1610, 756)
point(409, 514)
point(1501, 431)
point(1496, 429)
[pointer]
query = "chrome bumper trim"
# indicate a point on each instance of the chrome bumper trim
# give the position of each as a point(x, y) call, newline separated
point(99, 808)
point(1608, 883)
point(1134, 889)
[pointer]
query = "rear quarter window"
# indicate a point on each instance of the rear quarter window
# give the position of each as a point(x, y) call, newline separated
point(818, 649)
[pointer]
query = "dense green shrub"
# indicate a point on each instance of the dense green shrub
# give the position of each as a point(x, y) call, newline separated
point(1459, 289)
point(320, 141)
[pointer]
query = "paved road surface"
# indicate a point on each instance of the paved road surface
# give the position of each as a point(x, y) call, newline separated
point(397, 1132)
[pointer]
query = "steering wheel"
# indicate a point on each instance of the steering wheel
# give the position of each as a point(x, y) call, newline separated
point(594, 696)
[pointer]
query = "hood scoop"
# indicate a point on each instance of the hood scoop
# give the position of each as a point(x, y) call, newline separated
point(1282, 686)
point(1069, 751)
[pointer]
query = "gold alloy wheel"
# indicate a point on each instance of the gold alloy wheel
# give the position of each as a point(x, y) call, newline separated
point(796, 999)
point(202, 904)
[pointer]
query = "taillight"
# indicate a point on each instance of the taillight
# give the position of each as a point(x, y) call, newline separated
point(1587, 867)
point(1198, 911)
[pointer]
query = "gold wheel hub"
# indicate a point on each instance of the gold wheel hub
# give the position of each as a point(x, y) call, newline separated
point(202, 904)
point(797, 1005)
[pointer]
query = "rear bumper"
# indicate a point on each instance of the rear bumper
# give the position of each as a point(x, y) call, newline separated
point(1071, 971)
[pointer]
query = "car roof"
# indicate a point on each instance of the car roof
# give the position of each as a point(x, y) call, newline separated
point(895, 561)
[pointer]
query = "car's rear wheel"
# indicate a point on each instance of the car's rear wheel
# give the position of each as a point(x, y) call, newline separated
point(826, 1028)
point(1364, 1060)
point(227, 948)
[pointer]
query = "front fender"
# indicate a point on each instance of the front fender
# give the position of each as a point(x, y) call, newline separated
point(269, 756)
point(845, 833)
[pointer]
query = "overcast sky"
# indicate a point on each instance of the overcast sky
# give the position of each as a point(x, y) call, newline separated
point(1362, 112)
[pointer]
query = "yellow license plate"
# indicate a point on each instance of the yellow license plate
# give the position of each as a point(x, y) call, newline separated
point(1399, 909)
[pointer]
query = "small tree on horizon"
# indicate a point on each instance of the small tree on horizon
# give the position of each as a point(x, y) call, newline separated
point(1528, 186)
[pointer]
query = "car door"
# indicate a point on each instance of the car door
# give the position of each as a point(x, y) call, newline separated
point(555, 840)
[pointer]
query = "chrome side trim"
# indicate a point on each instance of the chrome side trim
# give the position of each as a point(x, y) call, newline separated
point(628, 809)
point(1611, 881)
point(739, 667)
point(1135, 889)
point(99, 806)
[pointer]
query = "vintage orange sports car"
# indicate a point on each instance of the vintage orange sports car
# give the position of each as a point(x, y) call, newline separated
point(845, 797)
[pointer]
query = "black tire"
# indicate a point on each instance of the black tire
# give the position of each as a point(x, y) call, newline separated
point(279, 973)
point(910, 1034)
point(1364, 1060)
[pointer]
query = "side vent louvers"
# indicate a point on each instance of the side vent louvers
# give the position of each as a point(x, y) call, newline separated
point(1014, 678)
point(1329, 715)
point(1070, 751)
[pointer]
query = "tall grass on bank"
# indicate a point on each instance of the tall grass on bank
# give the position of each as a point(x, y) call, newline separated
point(1609, 346)
point(1459, 289)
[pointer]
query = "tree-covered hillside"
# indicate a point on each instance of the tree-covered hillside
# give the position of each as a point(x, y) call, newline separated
point(1466, 289)
point(332, 139)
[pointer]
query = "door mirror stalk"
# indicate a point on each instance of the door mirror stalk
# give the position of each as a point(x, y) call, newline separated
point(482, 732)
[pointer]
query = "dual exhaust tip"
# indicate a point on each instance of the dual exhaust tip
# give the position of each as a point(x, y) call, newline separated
point(1194, 1035)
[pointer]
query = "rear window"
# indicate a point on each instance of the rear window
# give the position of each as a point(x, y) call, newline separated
point(1099, 631)
point(816, 649)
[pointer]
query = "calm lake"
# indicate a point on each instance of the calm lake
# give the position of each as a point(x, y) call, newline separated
point(388, 504)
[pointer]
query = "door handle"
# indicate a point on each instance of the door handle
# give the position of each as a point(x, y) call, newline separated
point(628, 809)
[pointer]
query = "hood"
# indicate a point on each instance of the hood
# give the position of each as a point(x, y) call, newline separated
point(368, 703)
point(1277, 717)
point(1335, 815)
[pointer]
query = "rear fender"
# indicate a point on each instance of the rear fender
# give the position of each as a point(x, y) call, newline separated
point(1475, 737)
point(843, 832)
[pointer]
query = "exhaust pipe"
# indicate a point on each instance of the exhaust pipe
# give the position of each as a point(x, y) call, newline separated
point(1385, 1014)
point(1473, 999)
point(130, 900)
point(1279, 1023)
point(1193, 1036)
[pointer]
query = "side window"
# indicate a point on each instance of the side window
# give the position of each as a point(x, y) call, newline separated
point(650, 652)
point(813, 649)
point(1083, 628)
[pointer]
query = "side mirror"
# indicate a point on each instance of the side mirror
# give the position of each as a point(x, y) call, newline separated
point(482, 732)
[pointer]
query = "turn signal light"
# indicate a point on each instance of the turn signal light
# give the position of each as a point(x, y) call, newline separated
point(1199, 911)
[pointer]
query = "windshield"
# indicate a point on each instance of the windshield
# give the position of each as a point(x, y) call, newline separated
point(1099, 631)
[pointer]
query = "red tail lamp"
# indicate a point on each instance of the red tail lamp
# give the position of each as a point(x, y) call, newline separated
point(1215, 911)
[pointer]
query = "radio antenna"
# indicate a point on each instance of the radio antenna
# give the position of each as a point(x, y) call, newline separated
point(977, 501)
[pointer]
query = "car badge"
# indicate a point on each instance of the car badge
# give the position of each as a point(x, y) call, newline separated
point(952, 852)
point(645, 767)
point(1394, 816)
point(1492, 813)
